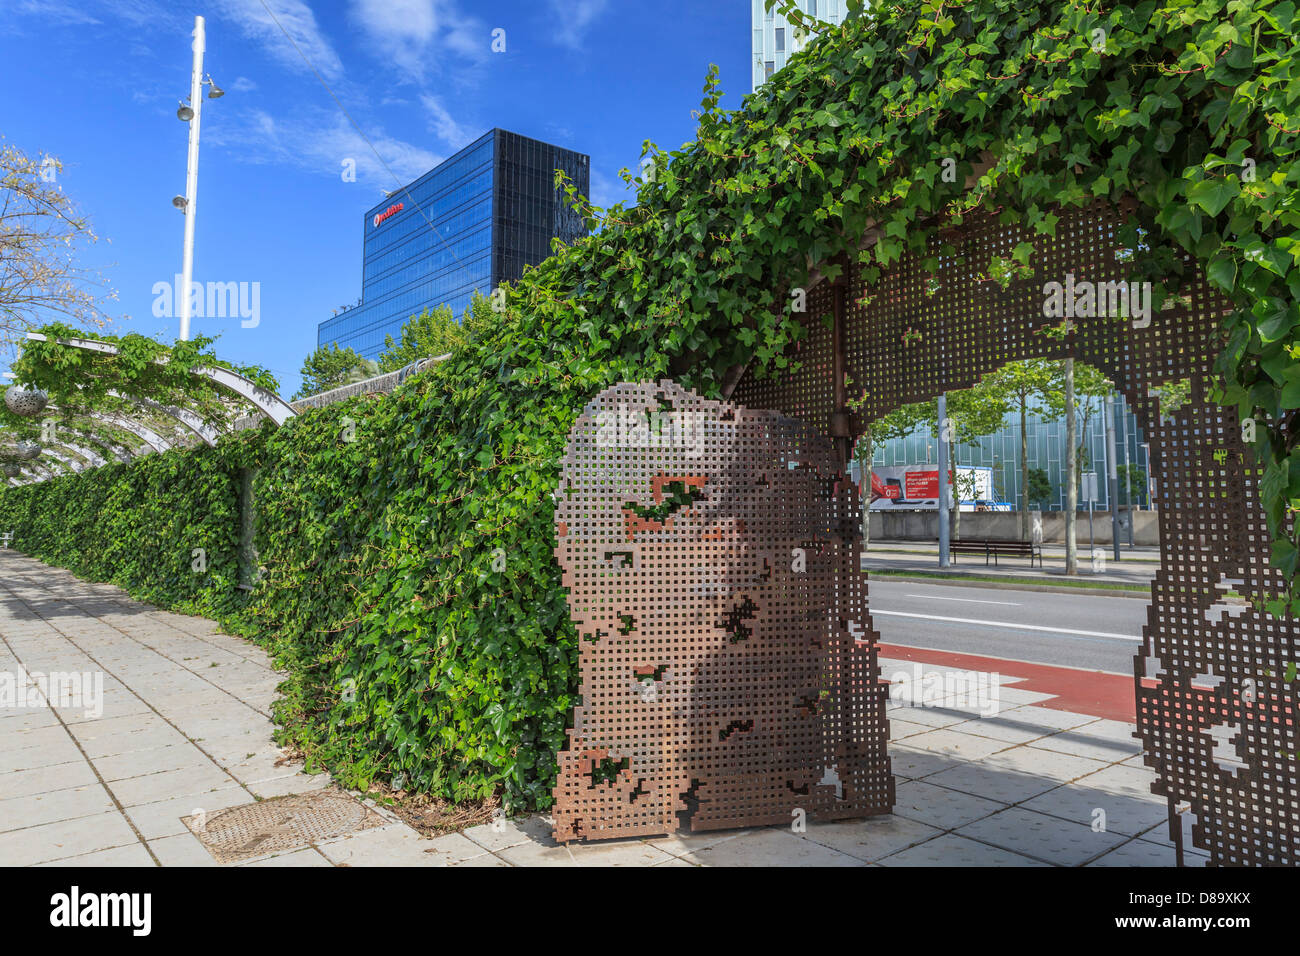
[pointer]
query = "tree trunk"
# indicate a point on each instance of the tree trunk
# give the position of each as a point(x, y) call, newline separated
point(1024, 471)
point(865, 442)
point(1071, 474)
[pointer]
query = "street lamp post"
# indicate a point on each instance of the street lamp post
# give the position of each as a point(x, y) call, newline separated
point(192, 176)
point(943, 481)
point(188, 203)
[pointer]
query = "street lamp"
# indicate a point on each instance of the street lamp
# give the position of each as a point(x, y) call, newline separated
point(188, 203)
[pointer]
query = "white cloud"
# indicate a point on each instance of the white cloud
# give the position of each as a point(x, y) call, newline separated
point(269, 21)
point(242, 84)
point(443, 125)
point(573, 18)
point(606, 191)
point(323, 141)
point(411, 33)
point(60, 11)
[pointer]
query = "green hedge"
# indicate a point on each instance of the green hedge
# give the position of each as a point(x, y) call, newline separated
point(139, 525)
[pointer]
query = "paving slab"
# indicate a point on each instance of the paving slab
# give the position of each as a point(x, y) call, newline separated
point(771, 847)
point(950, 849)
point(870, 839)
point(941, 807)
point(1042, 837)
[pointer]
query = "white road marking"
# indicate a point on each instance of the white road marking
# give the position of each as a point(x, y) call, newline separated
point(931, 597)
point(1011, 624)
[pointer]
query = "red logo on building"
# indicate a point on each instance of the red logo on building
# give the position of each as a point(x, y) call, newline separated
point(392, 210)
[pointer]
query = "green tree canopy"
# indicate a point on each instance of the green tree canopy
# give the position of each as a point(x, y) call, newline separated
point(331, 367)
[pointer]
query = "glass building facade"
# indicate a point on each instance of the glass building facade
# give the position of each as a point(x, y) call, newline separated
point(467, 225)
point(774, 38)
point(1001, 453)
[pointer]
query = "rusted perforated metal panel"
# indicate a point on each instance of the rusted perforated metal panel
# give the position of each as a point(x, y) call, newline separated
point(729, 677)
point(1215, 715)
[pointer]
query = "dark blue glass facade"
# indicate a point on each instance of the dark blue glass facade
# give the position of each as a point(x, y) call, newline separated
point(467, 225)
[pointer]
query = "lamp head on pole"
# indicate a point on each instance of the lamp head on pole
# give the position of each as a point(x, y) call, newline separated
point(214, 92)
point(184, 113)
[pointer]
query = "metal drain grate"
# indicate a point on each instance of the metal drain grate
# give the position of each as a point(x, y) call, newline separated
point(281, 823)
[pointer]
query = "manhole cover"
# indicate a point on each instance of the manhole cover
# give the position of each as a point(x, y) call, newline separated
point(281, 823)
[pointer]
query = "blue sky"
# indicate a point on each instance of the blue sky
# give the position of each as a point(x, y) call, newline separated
point(96, 83)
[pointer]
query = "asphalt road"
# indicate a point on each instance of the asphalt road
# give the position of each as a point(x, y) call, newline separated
point(1068, 630)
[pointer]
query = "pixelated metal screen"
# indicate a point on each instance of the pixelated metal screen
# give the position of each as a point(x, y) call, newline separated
point(729, 673)
point(1216, 715)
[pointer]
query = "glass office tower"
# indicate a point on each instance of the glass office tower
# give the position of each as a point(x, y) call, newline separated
point(774, 39)
point(467, 225)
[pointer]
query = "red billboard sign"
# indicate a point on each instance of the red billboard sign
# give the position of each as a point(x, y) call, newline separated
point(921, 484)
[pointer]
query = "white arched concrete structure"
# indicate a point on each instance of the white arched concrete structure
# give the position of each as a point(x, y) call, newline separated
point(267, 402)
point(183, 415)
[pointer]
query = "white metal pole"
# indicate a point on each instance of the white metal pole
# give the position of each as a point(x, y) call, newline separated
point(943, 481)
point(192, 178)
point(1112, 473)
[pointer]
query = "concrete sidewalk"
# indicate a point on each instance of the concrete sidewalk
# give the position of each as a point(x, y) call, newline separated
point(185, 733)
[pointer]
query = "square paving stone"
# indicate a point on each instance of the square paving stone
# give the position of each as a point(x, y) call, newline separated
point(953, 850)
point(183, 849)
point(139, 763)
point(398, 845)
point(1124, 814)
point(939, 806)
point(1046, 717)
point(604, 853)
point(913, 763)
point(1042, 837)
point(308, 857)
point(1081, 742)
point(871, 838)
point(163, 818)
point(1137, 853)
point(133, 855)
point(63, 776)
point(952, 743)
point(55, 841)
point(1049, 764)
point(764, 848)
point(511, 832)
point(993, 783)
point(41, 808)
point(57, 751)
point(153, 787)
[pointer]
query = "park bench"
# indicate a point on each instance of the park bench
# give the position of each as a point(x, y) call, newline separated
point(998, 546)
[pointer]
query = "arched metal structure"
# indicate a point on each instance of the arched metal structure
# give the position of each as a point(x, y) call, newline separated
point(183, 415)
point(1215, 714)
point(143, 432)
point(267, 402)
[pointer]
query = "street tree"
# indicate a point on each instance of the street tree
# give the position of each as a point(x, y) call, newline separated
point(1023, 386)
point(332, 367)
point(972, 413)
point(899, 423)
point(42, 235)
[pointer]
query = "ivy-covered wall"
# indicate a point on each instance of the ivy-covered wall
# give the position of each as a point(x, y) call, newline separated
point(144, 526)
